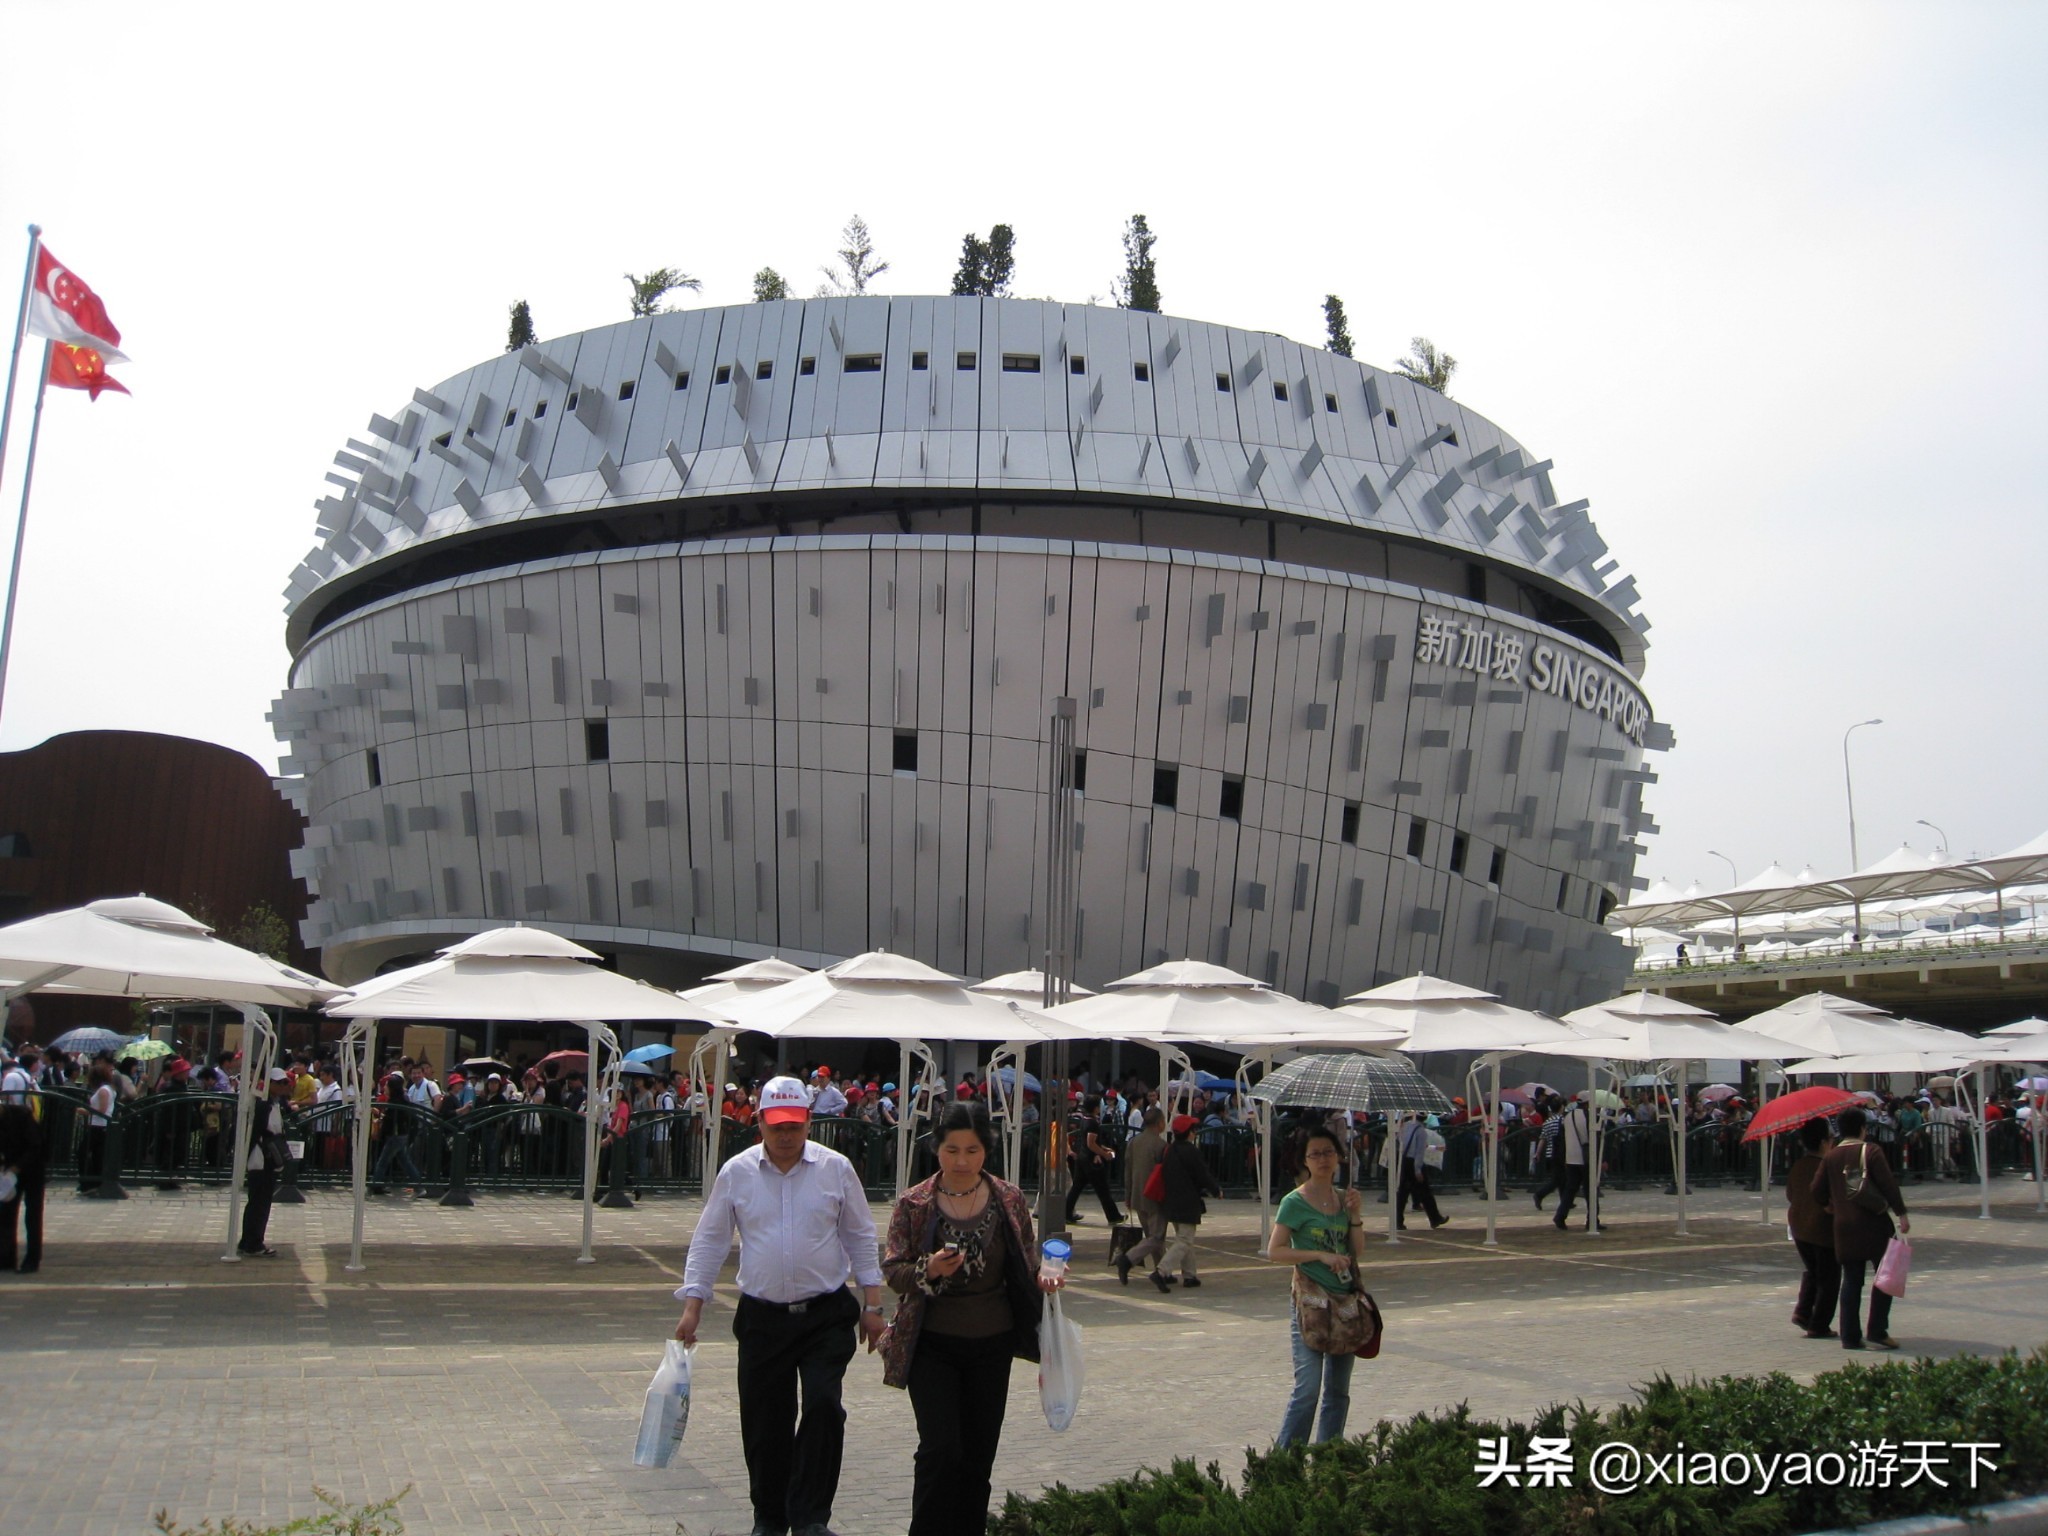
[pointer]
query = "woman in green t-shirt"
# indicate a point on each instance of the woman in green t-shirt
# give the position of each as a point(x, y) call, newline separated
point(1317, 1229)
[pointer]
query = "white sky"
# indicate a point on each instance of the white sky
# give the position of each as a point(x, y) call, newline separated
point(1764, 280)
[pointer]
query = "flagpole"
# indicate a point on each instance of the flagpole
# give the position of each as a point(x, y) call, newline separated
point(28, 279)
point(28, 480)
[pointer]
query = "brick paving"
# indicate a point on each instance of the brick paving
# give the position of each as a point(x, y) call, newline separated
point(477, 1362)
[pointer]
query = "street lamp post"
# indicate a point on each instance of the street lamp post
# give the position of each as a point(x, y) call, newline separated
point(1734, 879)
point(1849, 790)
point(1930, 826)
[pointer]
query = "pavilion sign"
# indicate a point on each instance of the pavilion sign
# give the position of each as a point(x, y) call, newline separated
point(1454, 641)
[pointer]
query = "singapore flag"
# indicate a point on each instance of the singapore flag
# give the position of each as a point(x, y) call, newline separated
point(62, 308)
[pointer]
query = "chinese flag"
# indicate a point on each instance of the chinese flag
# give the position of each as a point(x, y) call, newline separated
point(81, 368)
point(62, 308)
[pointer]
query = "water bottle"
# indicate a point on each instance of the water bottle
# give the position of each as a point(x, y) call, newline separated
point(1056, 1251)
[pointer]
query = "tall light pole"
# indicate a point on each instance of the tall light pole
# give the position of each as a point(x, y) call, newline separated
point(1734, 879)
point(1930, 826)
point(1849, 789)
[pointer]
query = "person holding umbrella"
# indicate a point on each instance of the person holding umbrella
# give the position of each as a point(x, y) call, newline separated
point(1813, 1232)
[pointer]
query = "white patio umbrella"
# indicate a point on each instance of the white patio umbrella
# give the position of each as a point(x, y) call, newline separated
point(1190, 1002)
point(137, 947)
point(1028, 987)
point(882, 996)
point(517, 973)
point(708, 1056)
point(1423, 1014)
point(1649, 1027)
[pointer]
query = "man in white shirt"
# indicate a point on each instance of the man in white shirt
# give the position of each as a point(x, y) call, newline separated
point(804, 1227)
point(827, 1098)
point(1578, 1140)
point(19, 1081)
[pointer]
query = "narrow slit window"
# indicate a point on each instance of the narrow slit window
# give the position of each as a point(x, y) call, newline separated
point(1077, 365)
point(597, 741)
point(806, 366)
point(376, 768)
point(1020, 362)
point(1459, 847)
point(444, 439)
point(1329, 402)
point(1080, 773)
point(511, 415)
point(1347, 824)
point(1451, 438)
point(765, 369)
point(626, 389)
point(920, 361)
point(1230, 800)
point(682, 378)
point(1564, 892)
point(1142, 372)
point(1279, 390)
point(964, 361)
point(1222, 383)
point(572, 401)
point(903, 752)
point(1390, 417)
point(1165, 785)
point(864, 362)
point(723, 375)
point(1496, 866)
point(540, 409)
point(1418, 837)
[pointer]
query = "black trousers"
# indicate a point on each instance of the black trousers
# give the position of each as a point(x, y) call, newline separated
point(1819, 1288)
point(262, 1188)
point(1852, 1271)
point(1415, 1186)
point(792, 1464)
point(27, 1203)
point(1571, 1178)
point(958, 1390)
point(92, 1157)
point(1090, 1174)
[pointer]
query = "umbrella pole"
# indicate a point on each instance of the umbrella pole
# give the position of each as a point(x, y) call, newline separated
point(1764, 1144)
point(594, 1110)
point(359, 1050)
point(1983, 1145)
point(257, 1044)
point(1678, 1120)
point(1390, 1152)
point(1493, 1152)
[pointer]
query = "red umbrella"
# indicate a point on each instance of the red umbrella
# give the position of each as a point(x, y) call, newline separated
point(1791, 1110)
point(568, 1061)
point(1516, 1096)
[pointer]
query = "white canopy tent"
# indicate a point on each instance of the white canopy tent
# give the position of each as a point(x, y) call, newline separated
point(1649, 1028)
point(880, 995)
point(1028, 988)
point(708, 1057)
point(137, 947)
point(2026, 1043)
point(1190, 1002)
point(517, 973)
point(1422, 1014)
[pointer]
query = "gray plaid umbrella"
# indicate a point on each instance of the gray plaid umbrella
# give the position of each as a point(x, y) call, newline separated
point(1350, 1080)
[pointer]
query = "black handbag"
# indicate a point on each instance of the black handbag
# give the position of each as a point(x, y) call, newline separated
point(1863, 1194)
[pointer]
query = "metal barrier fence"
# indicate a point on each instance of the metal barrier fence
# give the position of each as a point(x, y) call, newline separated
point(181, 1138)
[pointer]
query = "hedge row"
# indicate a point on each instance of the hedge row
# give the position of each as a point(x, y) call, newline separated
point(1419, 1477)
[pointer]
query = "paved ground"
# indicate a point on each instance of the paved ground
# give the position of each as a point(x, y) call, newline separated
point(477, 1362)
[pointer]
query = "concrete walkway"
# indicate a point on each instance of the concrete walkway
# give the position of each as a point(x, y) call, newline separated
point(477, 1362)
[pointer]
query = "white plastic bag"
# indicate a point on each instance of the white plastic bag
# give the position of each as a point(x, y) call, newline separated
point(666, 1412)
point(1432, 1149)
point(1061, 1365)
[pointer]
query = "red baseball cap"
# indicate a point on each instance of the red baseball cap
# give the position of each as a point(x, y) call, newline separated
point(1183, 1123)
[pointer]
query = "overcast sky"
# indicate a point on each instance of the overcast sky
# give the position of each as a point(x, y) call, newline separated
point(1766, 281)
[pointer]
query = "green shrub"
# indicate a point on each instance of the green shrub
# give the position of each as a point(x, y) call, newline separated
point(1419, 1476)
point(335, 1519)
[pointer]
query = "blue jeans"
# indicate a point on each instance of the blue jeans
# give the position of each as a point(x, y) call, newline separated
point(1326, 1375)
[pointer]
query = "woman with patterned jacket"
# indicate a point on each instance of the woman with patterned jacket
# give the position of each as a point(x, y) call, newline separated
point(962, 1254)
